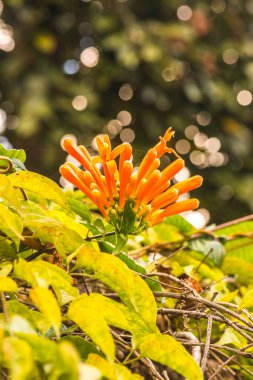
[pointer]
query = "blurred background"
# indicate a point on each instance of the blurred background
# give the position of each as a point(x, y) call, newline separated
point(132, 69)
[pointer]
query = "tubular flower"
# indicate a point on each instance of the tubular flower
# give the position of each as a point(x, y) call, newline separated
point(130, 200)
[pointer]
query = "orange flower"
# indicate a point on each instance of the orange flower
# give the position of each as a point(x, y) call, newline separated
point(131, 201)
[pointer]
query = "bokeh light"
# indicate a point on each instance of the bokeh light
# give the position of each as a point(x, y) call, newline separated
point(79, 102)
point(90, 57)
point(127, 135)
point(183, 146)
point(184, 13)
point(191, 131)
point(126, 92)
point(244, 97)
point(71, 67)
point(230, 56)
point(124, 117)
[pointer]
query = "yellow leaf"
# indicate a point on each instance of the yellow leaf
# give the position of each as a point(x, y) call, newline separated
point(7, 284)
point(40, 185)
point(132, 290)
point(45, 301)
point(167, 351)
point(11, 225)
point(247, 300)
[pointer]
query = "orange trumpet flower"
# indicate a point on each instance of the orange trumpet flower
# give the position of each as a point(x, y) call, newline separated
point(130, 200)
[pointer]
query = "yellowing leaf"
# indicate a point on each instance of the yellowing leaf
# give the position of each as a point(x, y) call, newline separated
point(133, 291)
point(11, 225)
point(247, 300)
point(166, 350)
point(40, 185)
point(19, 358)
point(111, 371)
point(69, 222)
point(47, 304)
point(89, 317)
point(7, 191)
point(7, 284)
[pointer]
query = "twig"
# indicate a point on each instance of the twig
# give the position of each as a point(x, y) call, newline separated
point(232, 222)
point(89, 238)
point(207, 345)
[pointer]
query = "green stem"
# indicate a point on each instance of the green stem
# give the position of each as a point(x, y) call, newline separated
point(89, 238)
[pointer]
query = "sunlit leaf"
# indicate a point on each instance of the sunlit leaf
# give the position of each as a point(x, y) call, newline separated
point(11, 225)
point(111, 371)
point(19, 358)
point(133, 291)
point(40, 185)
point(7, 191)
point(7, 284)
point(231, 336)
point(247, 300)
point(47, 304)
point(167, 351)
point(93, 323)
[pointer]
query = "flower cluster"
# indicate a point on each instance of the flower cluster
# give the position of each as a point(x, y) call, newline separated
point(130, 199)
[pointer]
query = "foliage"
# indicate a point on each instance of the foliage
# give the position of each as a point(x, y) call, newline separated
point(197, 66)
point(76, 306)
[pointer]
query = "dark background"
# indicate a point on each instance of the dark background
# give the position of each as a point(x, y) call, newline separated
point(165, 62)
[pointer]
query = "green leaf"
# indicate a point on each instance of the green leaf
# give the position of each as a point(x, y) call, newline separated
point(167, 351)
point(155, 286)
point(181, 224)
point(7, 284)
point(235, 229)
point(128, 219)
point(7, 250)
point(211, 248)
point(18, 356)
point(45, 301)
point(40, 185)
point(121, 241)
point(11, 225)
point(231, 336)
point(13, 153)
point(69, 222)
point(18, 165)
point(80, 209)
point(241, 248)
point(133, 291)
point(83, 346)
point(247, 300)
point(93, 323)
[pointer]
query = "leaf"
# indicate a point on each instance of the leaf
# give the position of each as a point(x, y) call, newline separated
point(231, 336)
point(237, 228)
point(181, 224)
point(11, 225)
point(121, 241)
point(18, 165)
point(7, 250)
point(68, 361)
point(241, 248)
point(211, 248)
point(40, 185)
point(247, 300)
point(13, 153)
point(133, 291)
point(155, 286)
point(80, 209)
point(47, 304)
point(93, 323)
point(50, 274)
point(88, 372)
point(128, 219)
point(83, 346)
point(69, 222)
point(111, 371)
point(236, 266)
point(7, 192)
point(19, 358)
point(7, 284)
point(167, 351)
